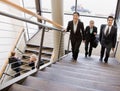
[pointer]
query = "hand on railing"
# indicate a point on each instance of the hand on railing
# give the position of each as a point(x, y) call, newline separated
point(63, 30)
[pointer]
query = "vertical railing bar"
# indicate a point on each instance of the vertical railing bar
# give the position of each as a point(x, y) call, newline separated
point(60, 45)
point(40, 49)
point(26, 22)
point(68, 45)
point(116, 48)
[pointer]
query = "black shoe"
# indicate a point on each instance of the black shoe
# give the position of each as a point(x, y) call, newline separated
point(75, 60)
point(100, 60)
point(105, 61)
point(86, 55)
point(89, 55)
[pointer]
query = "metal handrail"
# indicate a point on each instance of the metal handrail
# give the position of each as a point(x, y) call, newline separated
point(32, 22)
point(29, 21)
point(16, 25)
point(31, 13)
point(26, 20)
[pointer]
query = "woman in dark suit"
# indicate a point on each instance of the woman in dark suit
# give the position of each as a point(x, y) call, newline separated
point(76, 28)
point(90, 33)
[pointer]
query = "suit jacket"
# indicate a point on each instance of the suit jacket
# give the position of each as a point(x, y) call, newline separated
point(110, 40)
point(79, 35)
point(15, 62)
point(90, 36)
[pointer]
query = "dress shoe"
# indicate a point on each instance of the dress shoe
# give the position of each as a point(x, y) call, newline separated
point(75, 61)
point(100, 60)
point(105, 61)
point(89, 55)
point(86, 55)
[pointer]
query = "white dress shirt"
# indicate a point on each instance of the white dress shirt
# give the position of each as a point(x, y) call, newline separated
point(107, 28)
point(75, 26)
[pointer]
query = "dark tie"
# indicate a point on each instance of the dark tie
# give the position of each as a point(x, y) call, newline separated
point(107, 31)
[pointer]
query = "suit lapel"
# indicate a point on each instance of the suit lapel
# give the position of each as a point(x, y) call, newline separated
point(104, 29)
point(72, 27)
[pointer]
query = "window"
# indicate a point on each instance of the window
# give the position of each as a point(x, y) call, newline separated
point(46, 5)
point(69, 6)
point(102, 8)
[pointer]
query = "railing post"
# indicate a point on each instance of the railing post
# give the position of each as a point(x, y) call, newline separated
point(116, 48)
point(60, 45)
point(40, 50)
point(68, 45)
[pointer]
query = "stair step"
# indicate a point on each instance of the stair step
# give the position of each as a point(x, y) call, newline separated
point(83, 70)
point(17, 87)
point(106, 69)
point(94, 61)
point(78, 82)
point(32, 45)
point(37, 51)
point(47, 85)
point(27, 55)
point(37, 46)
point(98, 78)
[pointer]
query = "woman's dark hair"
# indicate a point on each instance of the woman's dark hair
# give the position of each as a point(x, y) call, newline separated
point(76, 13)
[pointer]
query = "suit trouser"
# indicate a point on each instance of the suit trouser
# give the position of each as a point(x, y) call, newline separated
point(107, 53)
point(75, 43)
point(86, 47)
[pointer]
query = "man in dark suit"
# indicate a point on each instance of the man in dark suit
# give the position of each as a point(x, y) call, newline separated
point(76, 29)
point(108, 36)
point(90, 33)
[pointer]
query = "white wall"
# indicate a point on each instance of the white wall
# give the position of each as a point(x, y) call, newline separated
point(8, 32)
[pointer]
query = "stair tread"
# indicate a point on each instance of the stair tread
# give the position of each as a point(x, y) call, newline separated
point(82, 70)
point(90, 69)
point(43, 55)
point(48, 85)
point(101, 67)
point(33, 45)
point(17, 87)
point(78, 82)
point(93, 61)
point(84, 76)
point(37, 50)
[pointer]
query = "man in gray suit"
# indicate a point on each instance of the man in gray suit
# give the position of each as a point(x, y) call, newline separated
point(108, 36)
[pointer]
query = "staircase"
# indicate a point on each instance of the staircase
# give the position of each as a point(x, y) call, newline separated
point(34, 49)
point(87, 74)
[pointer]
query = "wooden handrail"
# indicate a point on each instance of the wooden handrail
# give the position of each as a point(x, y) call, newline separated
point(31, 13)
point(13, 48)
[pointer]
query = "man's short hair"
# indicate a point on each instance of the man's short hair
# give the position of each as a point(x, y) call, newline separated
point(12, 53)
point(110, 17)
point(76, 13)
